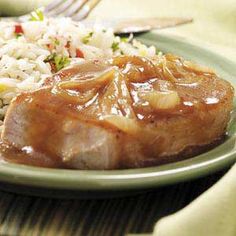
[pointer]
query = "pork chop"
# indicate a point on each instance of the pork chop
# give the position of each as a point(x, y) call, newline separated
point(124, 113)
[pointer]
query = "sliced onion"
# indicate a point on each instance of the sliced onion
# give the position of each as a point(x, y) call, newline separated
point(94, 82)
point(197, 68)
point(161, 100)
point(124, 124)
point(135, 68)
point(75, 97)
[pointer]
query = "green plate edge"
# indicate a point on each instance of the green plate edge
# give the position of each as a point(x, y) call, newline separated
point(218, 158)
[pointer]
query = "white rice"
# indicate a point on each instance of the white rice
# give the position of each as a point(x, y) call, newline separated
point(22, 58)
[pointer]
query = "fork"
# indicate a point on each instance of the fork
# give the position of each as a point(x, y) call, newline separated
point(76, 9)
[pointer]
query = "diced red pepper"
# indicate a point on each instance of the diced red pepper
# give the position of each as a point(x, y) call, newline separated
point(18, 29)
point(79, 53)
point(50, 46)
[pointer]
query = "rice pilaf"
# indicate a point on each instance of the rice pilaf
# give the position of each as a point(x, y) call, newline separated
point(33, 50)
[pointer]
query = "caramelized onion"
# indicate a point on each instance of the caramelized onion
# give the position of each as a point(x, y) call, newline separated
point(81, 91)
point(135, 68)
point(131, 87)
point(75, 97)
point(161, 100)
point(197, 68)
point(122, 123)
point(87, 84)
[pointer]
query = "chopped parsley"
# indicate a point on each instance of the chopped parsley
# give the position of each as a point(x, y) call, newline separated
point(61, 62)
point(50, 57)
point(36, 15)
point(124, 39)
point(58, 61)
point(115, 46)
point(18, 35)
point(87, 38)
point(57, 42)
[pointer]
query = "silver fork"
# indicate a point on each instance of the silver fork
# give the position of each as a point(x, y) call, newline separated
point(76, 9)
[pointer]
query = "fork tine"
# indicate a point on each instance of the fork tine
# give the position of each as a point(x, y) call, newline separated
point(53, 5)
point(75, 8)
point(60, 8)
point(85, 10)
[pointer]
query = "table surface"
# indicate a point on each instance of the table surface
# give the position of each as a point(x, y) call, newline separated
point(25, 215)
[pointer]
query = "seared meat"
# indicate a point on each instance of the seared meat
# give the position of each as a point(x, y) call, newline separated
point(127, 112)
point(58, 134)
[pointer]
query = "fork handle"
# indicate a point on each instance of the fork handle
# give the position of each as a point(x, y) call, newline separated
point(138, 25)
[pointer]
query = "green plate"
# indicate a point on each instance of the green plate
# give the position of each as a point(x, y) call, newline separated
point(137, 179)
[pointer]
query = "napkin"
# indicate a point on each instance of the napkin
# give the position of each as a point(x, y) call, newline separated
point(211, 214)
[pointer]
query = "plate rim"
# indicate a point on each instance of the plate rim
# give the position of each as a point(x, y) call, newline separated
point(140, 178)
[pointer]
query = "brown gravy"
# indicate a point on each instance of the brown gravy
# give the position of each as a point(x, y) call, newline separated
point(94, 90)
